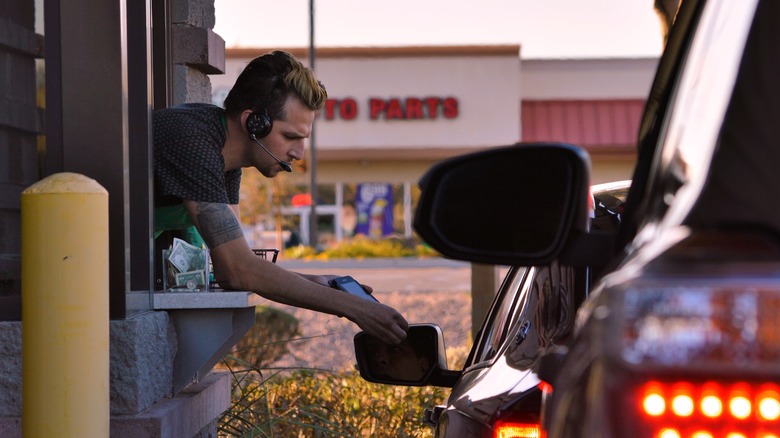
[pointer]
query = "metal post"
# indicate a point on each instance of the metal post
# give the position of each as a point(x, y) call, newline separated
point(484, 285)
point(312, 144)
point(65, 282)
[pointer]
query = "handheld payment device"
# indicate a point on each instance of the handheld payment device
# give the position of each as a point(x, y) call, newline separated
point(350, 285)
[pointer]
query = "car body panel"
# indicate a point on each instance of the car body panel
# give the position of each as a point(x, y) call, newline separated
point(496, 378)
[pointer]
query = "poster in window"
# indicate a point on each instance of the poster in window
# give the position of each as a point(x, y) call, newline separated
point(374, 206)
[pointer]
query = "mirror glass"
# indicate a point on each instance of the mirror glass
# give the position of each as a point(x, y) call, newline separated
point(517, 201)
point(410, 362)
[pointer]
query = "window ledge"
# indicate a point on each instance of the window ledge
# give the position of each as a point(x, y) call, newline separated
point(206, 300)
point(208, 325)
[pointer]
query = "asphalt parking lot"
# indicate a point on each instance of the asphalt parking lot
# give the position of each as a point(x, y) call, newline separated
point(392, 275)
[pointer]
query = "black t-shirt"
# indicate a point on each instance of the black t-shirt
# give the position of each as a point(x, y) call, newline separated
point(188, 163)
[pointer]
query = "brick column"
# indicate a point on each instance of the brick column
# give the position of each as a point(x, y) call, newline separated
point(197, 50)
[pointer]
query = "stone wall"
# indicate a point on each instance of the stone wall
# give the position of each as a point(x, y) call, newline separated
point(142, 349)
point(197, 50)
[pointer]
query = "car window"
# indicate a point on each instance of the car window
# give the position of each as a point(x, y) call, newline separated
point(699, 101)
point(655, 112)
point(511, 297)
point(743, 175)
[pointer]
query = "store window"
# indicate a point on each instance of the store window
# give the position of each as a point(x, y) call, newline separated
point(277, 213)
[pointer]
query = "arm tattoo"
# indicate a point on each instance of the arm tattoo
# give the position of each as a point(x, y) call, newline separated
point(217, 223)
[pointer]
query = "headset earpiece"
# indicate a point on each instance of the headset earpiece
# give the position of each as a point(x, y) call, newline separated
point(259, 124)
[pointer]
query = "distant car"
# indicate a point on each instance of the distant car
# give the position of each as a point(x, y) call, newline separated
point(496, 390)
point(679, 337)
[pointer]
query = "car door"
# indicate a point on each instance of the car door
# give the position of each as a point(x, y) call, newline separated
point(532, 311)
point(460, 413)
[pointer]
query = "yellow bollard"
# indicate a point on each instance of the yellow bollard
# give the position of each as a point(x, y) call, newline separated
point(65, 343)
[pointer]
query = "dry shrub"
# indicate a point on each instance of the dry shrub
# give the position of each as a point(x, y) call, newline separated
point(268, 339)
point(308, 403)
point(269, 402)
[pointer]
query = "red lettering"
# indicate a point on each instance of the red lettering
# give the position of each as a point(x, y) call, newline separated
point(330, 105)
point(450, 107)
point(348, 109)
point(414, 108)
point(376, 106)
point(394, 109)
point(409, 108)
point(432, 103)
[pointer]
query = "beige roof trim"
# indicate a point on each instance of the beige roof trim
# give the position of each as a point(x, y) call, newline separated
point(433, 153)
point(382, 52)
point(395, 154)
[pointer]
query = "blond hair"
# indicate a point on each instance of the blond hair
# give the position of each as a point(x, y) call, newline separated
point(267, 81)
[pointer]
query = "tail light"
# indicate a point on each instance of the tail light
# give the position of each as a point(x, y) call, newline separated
point(505, 429)
point(522, 424)
point(710, 409)
point(682, 325)
point(703, 329)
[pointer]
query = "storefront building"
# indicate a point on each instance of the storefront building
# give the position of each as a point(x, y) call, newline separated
point(393, 112)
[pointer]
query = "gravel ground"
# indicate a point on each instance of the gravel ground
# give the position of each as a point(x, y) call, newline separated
point(327, 340)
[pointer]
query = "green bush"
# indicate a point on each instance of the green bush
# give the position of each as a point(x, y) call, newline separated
point(363, 247)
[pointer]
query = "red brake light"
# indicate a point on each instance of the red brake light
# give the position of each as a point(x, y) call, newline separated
point(710, 409)
point(517, 430)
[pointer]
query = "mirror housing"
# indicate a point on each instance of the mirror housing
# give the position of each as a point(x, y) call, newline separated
point(419, 360)
point(511, 205)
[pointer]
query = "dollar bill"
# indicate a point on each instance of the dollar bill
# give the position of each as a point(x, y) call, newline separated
point(186, 257)
point(191, 279)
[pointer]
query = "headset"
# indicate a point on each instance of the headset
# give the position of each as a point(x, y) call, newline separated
point(259, 124)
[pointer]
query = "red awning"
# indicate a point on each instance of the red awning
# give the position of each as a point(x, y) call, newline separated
point(608, 125)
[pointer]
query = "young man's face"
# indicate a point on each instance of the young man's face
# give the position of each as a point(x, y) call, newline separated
point(287, 138)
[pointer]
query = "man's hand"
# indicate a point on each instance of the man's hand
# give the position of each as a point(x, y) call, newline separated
point(381, 321)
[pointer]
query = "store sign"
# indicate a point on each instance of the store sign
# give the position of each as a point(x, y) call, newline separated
point(409, 108)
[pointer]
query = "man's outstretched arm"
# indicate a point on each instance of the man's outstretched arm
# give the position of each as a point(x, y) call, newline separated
point(237, 267)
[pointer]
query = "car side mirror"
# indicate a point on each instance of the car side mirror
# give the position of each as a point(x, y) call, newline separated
point(512, 205)
point(419, 360)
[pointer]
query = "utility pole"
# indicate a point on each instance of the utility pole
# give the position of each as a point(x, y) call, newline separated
point(313, 239)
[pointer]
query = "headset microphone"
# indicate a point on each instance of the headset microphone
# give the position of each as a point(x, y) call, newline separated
point(285, 165)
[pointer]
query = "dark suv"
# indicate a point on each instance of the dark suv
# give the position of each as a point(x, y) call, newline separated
point(677, 332)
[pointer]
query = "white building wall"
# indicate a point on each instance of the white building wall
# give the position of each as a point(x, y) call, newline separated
point(576, 79)
point(486, 88)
